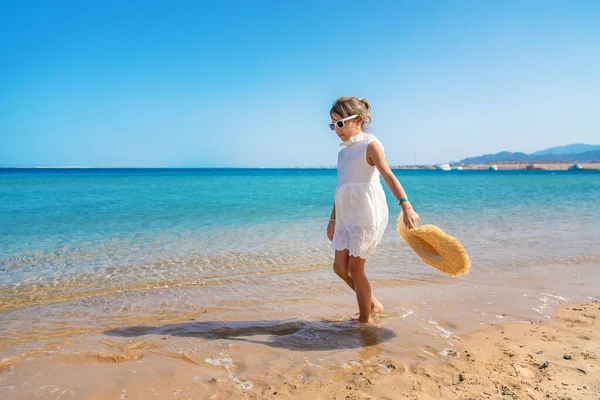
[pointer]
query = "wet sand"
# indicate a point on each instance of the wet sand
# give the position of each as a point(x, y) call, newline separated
point(526, 360)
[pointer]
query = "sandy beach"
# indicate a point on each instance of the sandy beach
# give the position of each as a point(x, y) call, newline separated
point(556, 360)
point(536, 360)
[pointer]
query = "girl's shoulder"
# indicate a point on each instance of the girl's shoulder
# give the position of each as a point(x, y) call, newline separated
point(373, 139)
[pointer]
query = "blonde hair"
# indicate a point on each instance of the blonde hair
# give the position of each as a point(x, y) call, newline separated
point(349, 105)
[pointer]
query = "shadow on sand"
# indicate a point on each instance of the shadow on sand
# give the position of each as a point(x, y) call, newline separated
point(298, 335)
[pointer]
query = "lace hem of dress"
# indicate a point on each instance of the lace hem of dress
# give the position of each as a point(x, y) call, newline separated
point(360, 241)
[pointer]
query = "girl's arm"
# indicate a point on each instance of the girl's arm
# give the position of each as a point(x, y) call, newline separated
point(375, 157)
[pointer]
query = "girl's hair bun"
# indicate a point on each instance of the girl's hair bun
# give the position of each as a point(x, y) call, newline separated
point(366, 103)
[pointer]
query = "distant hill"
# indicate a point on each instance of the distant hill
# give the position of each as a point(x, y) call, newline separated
point(498, 157)
point(568, 149)
point(554, 154)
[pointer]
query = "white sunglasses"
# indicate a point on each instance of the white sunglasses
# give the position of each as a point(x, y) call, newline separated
point(340, 124)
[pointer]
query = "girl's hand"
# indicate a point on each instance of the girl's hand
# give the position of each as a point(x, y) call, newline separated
point(411, 218)
point(330, 230)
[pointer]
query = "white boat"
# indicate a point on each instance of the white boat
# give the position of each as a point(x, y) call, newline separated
point(493, 167)
point(457, 168)
point(443, 167)
point(575, 167)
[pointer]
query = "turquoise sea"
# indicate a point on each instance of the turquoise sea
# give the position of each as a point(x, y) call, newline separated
point(86, 252)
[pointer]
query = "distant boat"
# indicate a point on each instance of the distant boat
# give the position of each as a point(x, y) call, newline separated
point(575, 167)
point(443, 167)
point(493, 167)
point(457, 168)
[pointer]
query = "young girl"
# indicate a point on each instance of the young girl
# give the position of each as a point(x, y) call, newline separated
point(360, 213)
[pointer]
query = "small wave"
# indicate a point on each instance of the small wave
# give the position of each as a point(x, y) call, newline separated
point(115, 358)
point(451, 353)
point(16, 296)
point(5, 365)
point(227, 363)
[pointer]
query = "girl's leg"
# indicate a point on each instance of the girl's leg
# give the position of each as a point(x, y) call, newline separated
point(356, 268)
point(340, 267)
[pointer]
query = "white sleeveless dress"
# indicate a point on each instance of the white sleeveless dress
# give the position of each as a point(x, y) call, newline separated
point(361, 211)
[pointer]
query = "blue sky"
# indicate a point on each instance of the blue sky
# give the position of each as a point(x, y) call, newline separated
point(250, 83)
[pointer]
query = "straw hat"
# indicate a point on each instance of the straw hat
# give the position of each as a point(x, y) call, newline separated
point(436, 248)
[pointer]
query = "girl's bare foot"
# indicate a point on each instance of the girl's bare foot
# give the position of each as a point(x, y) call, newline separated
point(376, 308)
point(356, 317)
